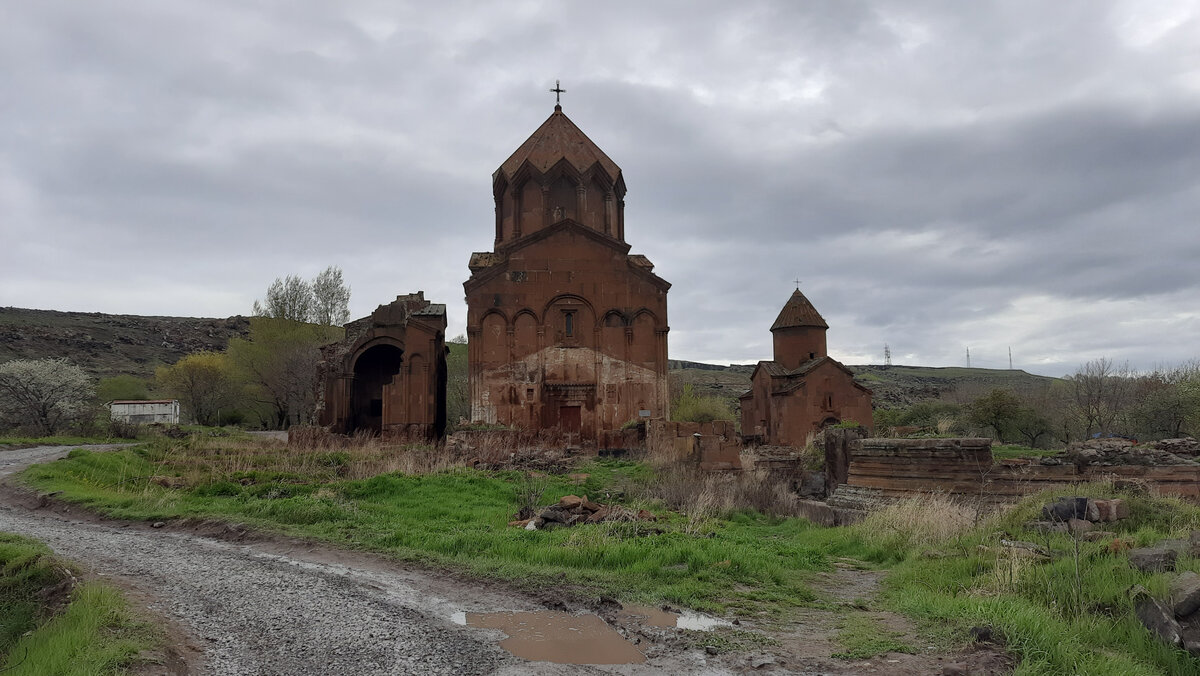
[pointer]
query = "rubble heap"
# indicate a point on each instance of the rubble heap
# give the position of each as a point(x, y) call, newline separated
point(571, 510)
point(1184, 446)
point(1123, 452)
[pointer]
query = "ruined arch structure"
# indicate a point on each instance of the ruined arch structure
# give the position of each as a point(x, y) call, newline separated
point(566, 329)
point(388, 376)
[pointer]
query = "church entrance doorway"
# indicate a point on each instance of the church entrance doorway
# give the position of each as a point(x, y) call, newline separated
point(374, 371)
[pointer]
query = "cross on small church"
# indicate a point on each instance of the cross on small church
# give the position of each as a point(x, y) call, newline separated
point(797, 284)
point(558, 92)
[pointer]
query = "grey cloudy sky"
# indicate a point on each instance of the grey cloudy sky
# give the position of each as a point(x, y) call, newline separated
point(941, 175)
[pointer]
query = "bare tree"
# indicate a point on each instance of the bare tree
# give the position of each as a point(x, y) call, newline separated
point(331, 298)
point(1103, 394)
point(43, 393)
point(287, 298)
point(325, 300)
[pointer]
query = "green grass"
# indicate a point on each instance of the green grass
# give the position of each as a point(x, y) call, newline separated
point(1035, 604)
point(458, 519)
point(1010, 451)
point(863, 637)
point(93, 634)
point(948, 580)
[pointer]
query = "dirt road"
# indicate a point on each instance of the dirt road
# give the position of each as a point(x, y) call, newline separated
point(274, 606)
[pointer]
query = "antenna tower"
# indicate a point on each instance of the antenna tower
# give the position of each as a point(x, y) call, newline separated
point(887, 355)
point(968, 357)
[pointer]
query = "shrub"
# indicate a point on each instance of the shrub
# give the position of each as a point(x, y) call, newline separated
point(691, 407)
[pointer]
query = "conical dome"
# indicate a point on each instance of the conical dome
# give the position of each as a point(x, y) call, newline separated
point(558, 138)
point(798, 312)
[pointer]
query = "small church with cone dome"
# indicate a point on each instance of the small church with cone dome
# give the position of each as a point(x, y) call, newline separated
point(802, 390)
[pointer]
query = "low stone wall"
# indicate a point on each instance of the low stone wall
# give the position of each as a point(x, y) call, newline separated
point(712, 445)
point(883, 469)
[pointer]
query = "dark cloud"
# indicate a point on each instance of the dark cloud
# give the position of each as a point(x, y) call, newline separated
point(940, 175)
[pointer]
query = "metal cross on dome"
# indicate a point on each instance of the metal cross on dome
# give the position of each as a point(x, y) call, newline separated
point(797, 284)
point(558, 92)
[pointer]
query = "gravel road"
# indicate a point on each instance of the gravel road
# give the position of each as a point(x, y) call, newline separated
point(276, 606)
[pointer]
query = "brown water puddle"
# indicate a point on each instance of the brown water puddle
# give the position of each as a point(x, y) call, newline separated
point(555, 636)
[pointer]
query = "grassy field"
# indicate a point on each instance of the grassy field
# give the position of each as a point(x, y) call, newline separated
point(947, 569)
point(50, 624)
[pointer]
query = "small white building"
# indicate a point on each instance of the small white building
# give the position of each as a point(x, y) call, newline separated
point(145, 411)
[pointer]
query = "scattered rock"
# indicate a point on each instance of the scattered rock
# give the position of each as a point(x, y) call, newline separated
point(1157, 618)
point(1152, 559)
point(1191, 640)
point(158, 524)
point(1185, 594)
point(1078, 526)
point(1024, 546)
point(1099, 535)
point(1065, 509)
point(712, 649)
point(1111, 510)
point(571, 510)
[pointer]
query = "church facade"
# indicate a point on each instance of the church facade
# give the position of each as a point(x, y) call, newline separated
point(566, 329)
point(802, 390)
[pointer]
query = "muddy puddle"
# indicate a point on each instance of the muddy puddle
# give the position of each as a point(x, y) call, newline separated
point(555, 636)
point(665, 619)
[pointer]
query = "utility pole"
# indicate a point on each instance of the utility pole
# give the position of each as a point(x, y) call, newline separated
point(1010, 357)
point(968, 357)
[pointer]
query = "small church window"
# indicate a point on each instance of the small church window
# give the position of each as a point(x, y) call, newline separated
point(569, 318)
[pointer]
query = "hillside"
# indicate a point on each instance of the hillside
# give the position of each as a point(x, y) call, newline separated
point(894, 386)
point(107, 345)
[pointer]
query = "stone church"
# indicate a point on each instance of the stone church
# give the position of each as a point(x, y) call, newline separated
point(388, 375)
point(802, 390)
point(566, 329)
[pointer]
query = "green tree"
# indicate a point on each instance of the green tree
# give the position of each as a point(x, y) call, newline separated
point(996, 409)
point(1032, 425)
point(202, 382)
point(43, 394)
point(122, 387)
point(279, 366)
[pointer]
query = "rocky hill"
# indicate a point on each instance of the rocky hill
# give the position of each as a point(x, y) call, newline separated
point(108, 345)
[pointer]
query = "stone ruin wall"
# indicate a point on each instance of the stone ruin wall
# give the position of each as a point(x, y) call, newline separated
point(882, 469)
point(716, 448)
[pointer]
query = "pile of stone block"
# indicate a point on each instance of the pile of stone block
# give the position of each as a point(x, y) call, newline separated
point(1079, 515)
point(571, 510)
point(1175, 620)
point(1107, 452)
point(1185, 446)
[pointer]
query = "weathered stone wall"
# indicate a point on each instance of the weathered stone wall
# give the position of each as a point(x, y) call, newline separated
point(882, 469)
point(715, 448)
